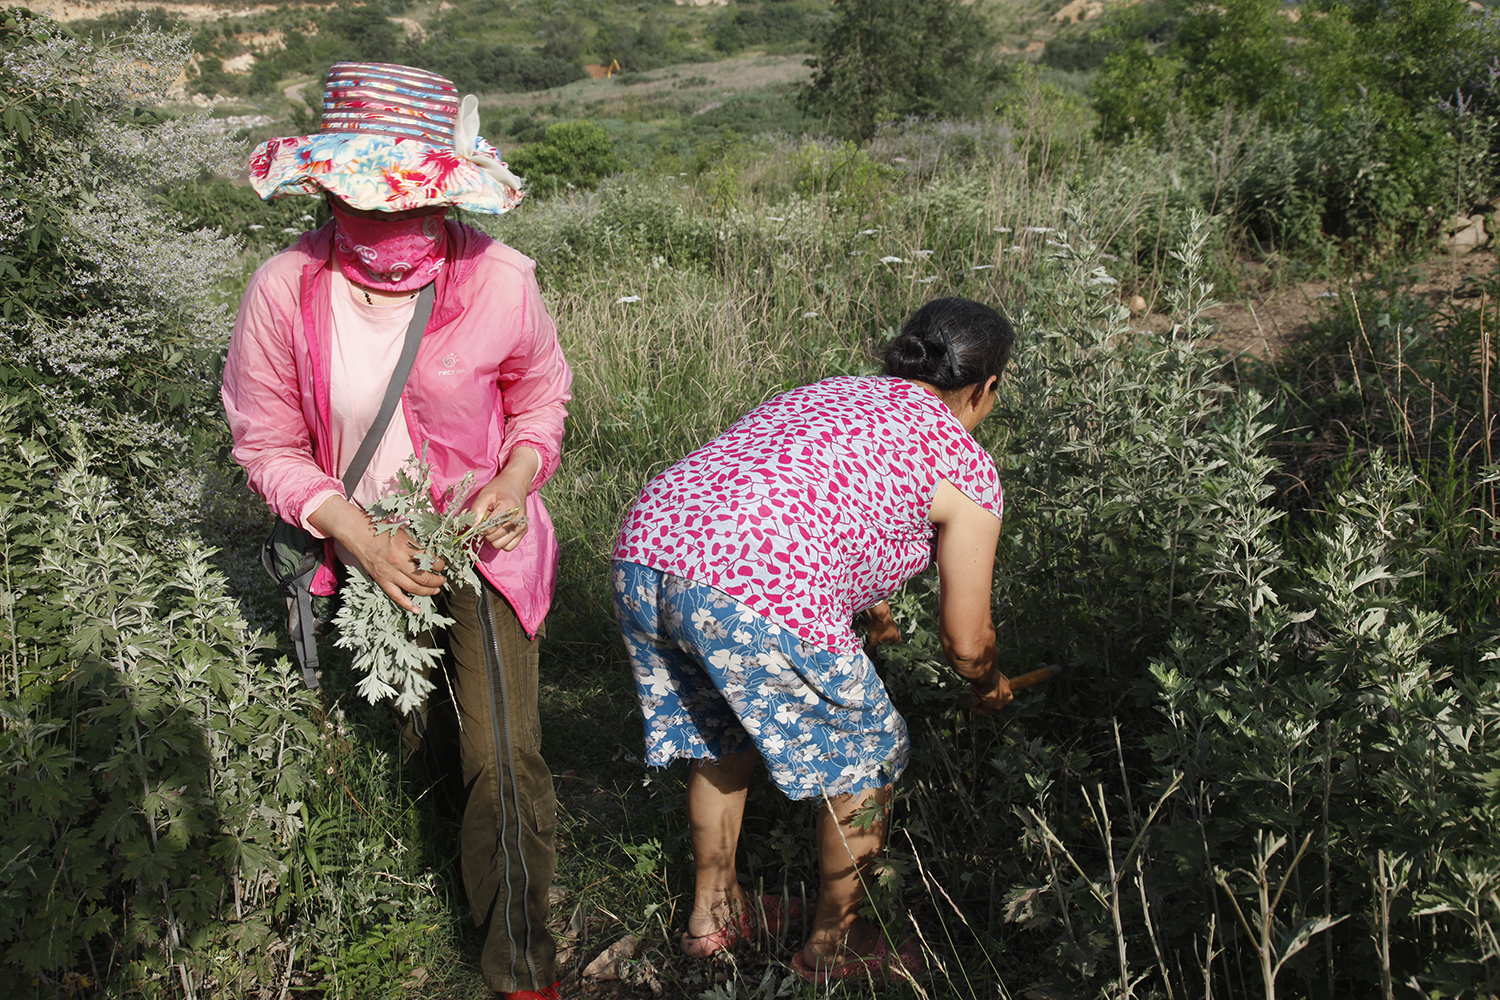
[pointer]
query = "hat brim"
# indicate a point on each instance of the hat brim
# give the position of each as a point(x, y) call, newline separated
point(376, 173)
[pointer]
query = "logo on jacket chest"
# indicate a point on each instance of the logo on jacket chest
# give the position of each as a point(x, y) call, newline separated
point(452, 365)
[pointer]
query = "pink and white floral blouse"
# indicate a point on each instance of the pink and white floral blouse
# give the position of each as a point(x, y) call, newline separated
point(813, 506)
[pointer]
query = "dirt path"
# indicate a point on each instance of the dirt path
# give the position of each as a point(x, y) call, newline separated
point(1264, 317)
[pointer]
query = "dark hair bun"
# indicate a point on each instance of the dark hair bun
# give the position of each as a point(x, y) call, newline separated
point(951, 343)
point(910, 353)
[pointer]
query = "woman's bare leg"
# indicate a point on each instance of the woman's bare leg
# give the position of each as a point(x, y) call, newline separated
point(716, 807)
point(845, 853)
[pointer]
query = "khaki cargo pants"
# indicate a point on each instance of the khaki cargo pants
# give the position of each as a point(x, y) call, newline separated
point(510, 817)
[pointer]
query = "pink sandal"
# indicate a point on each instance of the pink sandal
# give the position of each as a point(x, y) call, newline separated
point(906, 962)
point(779, 916)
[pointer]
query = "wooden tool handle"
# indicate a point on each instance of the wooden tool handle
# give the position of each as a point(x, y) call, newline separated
point(1035, 677)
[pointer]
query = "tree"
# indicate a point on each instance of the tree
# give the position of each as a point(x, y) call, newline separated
point(1236, 52)
point(1134, 92)
point(899, 57)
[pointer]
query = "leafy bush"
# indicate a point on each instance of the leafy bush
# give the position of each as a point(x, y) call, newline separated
point(1373, 170)
point(574, 154)
point(235, 210)
point(769, 25)
point(476, 66)
point(1075, 53)
point(1371, 112)
point(1321, 727)
point(109, 314)
point(152, 759)
point(367, 30)
point(641, 46)
point(841, 170)
point(1134, 92)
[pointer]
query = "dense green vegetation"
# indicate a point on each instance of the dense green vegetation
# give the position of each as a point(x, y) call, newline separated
point(1270, 762)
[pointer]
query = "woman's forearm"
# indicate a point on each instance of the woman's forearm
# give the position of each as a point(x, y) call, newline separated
point(519, 471)
point(340, 520)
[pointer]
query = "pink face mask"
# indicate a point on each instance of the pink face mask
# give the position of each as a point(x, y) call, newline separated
point(394, 255)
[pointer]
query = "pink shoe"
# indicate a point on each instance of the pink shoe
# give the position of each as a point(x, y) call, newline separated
point(550, 993)
point(779, 916)
point(881, 964)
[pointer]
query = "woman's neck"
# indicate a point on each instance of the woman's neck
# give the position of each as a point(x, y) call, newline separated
point(375, 296)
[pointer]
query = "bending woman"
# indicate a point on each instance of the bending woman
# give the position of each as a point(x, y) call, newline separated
point(736, 578)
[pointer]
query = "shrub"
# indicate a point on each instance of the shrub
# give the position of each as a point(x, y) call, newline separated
point(476, 66)
point(109, 315)
point(235, 210)
point(1370, 171)
point(151, 760)
point(367, 31)
point(767, 25)
point(1373, 113)
point(1079, 52)
point(574, 154)
point(842, 171)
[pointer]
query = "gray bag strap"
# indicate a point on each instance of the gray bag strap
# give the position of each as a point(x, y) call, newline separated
point(302, 621)
point(402, 372)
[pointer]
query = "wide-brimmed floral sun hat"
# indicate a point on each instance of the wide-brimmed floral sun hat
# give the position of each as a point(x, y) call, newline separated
point(393, 138)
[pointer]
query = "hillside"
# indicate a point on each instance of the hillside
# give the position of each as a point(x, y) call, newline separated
point(699, 65)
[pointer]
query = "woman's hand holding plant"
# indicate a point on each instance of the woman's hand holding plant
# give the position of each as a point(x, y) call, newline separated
point(386, 552)
point(419, 532)
point(880, 628)
point(506, 492)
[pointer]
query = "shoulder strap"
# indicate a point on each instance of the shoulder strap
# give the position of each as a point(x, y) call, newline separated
point(414, 331)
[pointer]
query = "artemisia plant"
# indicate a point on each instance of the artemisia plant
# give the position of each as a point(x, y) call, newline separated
point(394, 649)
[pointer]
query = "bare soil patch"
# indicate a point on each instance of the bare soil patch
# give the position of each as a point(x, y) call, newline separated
point(1266, 315)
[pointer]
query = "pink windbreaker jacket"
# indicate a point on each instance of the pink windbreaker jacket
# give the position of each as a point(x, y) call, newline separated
point(489, 376)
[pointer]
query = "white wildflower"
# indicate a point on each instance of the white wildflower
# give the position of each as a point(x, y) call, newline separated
point(627, 298)
point(892, 260)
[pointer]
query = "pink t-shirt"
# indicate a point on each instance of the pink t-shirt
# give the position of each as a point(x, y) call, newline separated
point(364, 347)
point(813, 506)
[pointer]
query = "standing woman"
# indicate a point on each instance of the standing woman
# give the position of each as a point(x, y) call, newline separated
point(736, 578)
point(316, 343)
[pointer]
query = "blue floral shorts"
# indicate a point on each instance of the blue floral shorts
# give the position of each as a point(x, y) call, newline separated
point(715, 677)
